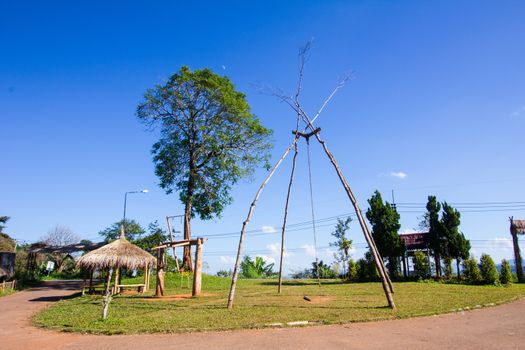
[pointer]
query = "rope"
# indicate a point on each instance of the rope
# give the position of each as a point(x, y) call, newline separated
point(313, 212)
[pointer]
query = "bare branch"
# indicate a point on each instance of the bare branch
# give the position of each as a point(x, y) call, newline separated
point(340, 84)
point(304, 55)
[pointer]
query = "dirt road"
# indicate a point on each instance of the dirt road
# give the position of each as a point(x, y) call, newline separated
point(501, 327)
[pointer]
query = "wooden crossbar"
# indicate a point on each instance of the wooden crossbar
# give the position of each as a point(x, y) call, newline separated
point(182, 243)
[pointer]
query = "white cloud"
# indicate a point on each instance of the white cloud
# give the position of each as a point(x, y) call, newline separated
point(227, 260)
point(275, 250)
point(267, 259)
point(268, 229)
point(399, 174)
point(498, 248)
point(308, 249)
point(329, 253)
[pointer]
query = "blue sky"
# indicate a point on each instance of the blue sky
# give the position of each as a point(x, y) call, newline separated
point(437, 94)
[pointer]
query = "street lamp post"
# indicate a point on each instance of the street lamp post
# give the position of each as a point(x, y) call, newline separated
point(123, 226)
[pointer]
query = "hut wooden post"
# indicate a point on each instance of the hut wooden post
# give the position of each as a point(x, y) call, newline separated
point(116, 288)
point(107, 296)
point(146, 278)
point(159, 290)
point(197, 272)
point(91, 280)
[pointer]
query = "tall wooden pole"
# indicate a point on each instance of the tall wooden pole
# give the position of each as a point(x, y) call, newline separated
point(385, 280)
point(286, 219)
point(517, 254)
point(375, 252)
point(159, 287)
point(245, 224)
point(197, 271)
point(368, 236)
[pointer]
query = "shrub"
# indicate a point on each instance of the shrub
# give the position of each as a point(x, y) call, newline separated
point(505, 275)
point(471, 270)
point(489, 273)
point(421, 267)
point(352, 270)
point(366, 268)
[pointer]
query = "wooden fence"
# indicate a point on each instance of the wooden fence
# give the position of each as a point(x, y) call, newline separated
point(7, 285)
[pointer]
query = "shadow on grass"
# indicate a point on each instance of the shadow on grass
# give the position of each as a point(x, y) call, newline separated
point(55, 298)
point(302, 283)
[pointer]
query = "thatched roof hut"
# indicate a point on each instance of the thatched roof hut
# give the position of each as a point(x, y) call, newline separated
point(120, 253)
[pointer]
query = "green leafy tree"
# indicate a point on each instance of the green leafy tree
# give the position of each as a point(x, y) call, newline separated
point(325, 271)
point(3, 221)
point(459, 249)
point(342, 243)
point(489, 273)
point(133, 231)
point(7, 244)
point(431, 220)
point(366, 268)
point(352, 270)
point(385, 226)
point(421, 266)
point(449, 227)
point(471, 271)
point(505, 275)
point(209, 139)
point(256, 268)
point(154, 237)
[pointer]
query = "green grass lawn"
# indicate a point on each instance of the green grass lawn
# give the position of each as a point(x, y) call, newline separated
point(257, 304)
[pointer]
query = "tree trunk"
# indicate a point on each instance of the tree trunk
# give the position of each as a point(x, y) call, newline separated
point(457, 268)
point(404, 266)
point(437, 262)
point(186, 259)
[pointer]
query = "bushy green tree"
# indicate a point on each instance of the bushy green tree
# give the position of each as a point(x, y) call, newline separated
point(325, 271)
point(385, 226)
point(489, 273)
point(459, 249)
point(133, 231)
point(352, 270)
point(3, 221)
point(471, 271)
point(366, 268)
point(505, 275)
point(256, 268)
point(209, 140)
point(154, 237)
point(342, 243)
point(431, 220)
point(421, 266)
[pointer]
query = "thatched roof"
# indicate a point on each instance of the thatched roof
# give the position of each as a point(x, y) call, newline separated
point(119, 253)
point(518, 226)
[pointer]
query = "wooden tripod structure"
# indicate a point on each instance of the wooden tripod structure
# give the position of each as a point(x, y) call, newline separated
point(310, 131)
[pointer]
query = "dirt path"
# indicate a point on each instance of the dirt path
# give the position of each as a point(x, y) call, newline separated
point(501, 327)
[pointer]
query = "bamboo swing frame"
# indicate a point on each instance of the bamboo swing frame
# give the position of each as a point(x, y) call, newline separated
point(309, 131)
